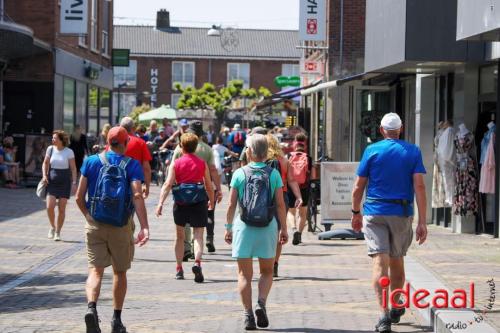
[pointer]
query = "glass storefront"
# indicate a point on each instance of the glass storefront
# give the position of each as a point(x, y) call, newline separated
point(93, 99)
point(104, 104)
point(69, 105)
point(81, 106)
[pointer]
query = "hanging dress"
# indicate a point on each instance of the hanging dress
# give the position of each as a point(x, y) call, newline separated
point(447, 166)
point(437, 178)
point(487, 181)
point(466, 198)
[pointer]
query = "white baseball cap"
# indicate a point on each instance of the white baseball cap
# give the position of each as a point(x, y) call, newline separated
point(236, 126)
point(391, 122)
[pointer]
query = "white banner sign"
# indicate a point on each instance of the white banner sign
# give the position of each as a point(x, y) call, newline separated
point(74, 17)
point(312, 20)
point(337, 181)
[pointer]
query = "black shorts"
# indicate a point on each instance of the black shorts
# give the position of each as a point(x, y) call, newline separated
point(304, 192)
point(195, 215)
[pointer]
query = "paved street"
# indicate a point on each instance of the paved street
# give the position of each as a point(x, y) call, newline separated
point(324, 286)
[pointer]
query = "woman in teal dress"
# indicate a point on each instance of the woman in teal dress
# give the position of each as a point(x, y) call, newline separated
point(255, 242)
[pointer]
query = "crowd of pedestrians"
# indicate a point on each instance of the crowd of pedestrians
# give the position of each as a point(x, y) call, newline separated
point(270, 188)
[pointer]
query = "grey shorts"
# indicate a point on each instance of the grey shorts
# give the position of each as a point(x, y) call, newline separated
point(388, 234)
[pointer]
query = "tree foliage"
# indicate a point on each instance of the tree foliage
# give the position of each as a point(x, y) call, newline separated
point(136, 111)
point(208, 97)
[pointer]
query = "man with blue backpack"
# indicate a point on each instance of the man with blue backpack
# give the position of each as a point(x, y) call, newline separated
point(112, 184)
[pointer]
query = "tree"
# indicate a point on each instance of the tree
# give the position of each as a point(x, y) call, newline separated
point(136, 111)
point(208, 97)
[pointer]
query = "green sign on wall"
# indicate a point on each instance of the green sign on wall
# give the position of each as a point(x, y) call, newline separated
point(121, 57)
point(287, 81)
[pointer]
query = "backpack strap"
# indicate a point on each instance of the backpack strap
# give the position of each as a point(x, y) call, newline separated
point(124, 162)
point(103, 159)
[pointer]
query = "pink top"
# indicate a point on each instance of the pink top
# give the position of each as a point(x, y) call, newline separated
point(487, 180)
point(189, 169)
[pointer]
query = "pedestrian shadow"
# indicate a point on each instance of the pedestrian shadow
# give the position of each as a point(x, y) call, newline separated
point(152, 260)
point(314, 330)
point(308, 254)
point(19, 203)
point(45, 280)
point(209, 281)
point(309, 278)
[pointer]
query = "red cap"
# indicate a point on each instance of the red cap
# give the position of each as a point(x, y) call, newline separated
point(117, 135)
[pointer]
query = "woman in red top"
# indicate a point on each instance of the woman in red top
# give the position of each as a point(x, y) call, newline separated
point(189, 169)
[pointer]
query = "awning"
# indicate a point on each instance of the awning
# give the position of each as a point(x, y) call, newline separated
point(17, 41)
point(339, 82)
point(164, 111)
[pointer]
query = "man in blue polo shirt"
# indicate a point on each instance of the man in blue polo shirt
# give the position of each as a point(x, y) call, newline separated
point(107, 244)
point(393, 170)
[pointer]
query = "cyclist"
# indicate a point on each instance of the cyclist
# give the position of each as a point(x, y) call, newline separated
point(301, 170)
point(174, 138)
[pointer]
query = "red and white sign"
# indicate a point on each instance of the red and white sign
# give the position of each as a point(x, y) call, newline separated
point(311, 67)
point(312, 20)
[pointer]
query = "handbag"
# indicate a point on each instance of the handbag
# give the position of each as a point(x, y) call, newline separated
point(189, 194)
point(41, 189)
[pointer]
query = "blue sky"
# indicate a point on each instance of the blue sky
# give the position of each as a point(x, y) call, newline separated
point(257, 14)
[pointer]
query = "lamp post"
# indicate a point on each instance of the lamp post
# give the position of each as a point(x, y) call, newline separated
point(229, 39)
point(118, 114)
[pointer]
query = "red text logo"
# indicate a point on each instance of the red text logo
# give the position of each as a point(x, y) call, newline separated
point(312, 26)
point(441, 298)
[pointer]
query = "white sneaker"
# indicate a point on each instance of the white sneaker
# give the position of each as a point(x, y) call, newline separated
point(57, 236)
point(51, 233)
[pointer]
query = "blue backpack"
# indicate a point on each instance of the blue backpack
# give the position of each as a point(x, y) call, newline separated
point(112, 200)
point(256, 205)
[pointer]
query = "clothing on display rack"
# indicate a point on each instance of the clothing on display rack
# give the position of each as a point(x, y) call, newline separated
point(466, 199)
point(487, 181)
point(486, 140)
point(438, 194)
point(446, 160)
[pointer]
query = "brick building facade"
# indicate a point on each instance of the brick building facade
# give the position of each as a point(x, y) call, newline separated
point(162, 55)
point(50, 80)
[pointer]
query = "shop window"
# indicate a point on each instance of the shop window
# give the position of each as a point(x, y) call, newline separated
point(175, 100)
point(290, 70)
point(81, 106)
point(238, 71)
point(69, 105)
point(104, 110)
point(93, 26)
point(126, 75)
point(127, 103)
point(93, 108)
point(183, 73)
point(488, 80)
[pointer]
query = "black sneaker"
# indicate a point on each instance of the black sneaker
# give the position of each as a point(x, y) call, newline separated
point(92, 321)
point(250, 323)
point(179, 275)
point(396, 314)
point(186, 257)
point(198, 275)
point(275, 270)
point(210, 247)
point(300, 238)
point(296, 238)
point(117, 326)
point(261, 314)
point(383, 325)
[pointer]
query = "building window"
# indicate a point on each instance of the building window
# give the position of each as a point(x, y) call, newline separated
point(69, 105)
point(126, 75)
point(488, 80)
point(183, 73)
point(127, 103)
point(82, 41)
point(175, 99)
point(237, 71)
point(105, 43)
point(93, 108)
point(290, 70)
point(93, 26)
point(104, 103)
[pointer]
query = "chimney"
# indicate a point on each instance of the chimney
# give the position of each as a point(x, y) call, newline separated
point(162, 19)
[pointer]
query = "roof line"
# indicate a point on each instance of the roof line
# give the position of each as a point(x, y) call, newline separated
point(154, 55)
point(200, 28)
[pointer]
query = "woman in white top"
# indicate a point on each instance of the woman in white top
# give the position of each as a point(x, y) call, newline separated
point(59, 173)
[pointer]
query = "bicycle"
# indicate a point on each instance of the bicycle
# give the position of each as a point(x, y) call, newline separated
point(312, 206)
point(161, 161)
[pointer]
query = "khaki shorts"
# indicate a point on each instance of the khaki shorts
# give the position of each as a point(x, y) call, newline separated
point(110, 245)
point(388, 234)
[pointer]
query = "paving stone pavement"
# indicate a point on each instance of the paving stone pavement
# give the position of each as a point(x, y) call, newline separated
point(323, 286)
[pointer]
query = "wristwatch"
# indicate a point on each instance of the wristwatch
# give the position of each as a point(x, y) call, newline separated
point(355, 212)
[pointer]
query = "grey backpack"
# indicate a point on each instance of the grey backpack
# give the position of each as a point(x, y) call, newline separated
point(256, 205)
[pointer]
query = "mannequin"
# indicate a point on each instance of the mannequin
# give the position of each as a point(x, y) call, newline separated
point(438, 194)
point(445, 151)
point(462, 130)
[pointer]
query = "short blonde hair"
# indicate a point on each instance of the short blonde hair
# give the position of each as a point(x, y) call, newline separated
point(62, 136)
point(189, 142)
point(274, 150)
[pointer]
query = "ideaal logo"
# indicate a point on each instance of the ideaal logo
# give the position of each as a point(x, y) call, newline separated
point(460, 299)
